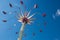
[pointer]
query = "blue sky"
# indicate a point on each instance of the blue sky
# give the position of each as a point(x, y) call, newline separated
point(49, 32)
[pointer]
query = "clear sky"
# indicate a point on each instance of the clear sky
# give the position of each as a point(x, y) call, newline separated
point(50, 30)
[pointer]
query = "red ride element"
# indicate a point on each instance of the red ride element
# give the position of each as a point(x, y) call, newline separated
point(44, 15)
point(25, 20)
